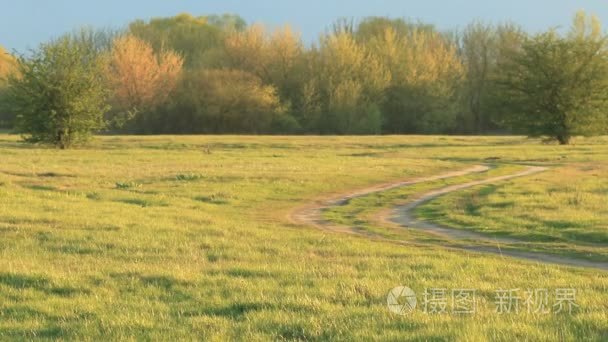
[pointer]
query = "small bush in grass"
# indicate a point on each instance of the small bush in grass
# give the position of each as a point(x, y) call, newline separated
point(128, 185)
point(215, 198)
point(59, 96)
point(142, 202)
point(188, 177)
point(93, 196)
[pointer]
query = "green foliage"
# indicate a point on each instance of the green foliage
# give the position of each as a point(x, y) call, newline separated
point(220, 101)
point(556, 85)
point(425, 74)
point(368, 121)
point(59, 95)
point(404, 76)
point(347, 80)
point(483, 46)
point(198, 39)
point(378, 75)
point(227, 22)
point(417, 109)
point(479, 50)
point(372, 27)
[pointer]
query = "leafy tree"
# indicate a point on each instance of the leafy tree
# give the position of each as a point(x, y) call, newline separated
point(249, 50)
point(379, 75)
point(140, 79)
point(483, 46)
point(373, 27)
point(96, 41)
point(198, 39)
point(8, 66)
point(347, 86)
point(424, 72)
point(227, 22)
point(286, 55)
point(59, 96)
point(478, 53)
point(272, 57)
point(223, 101)
point(556, 85)
point(276, 58)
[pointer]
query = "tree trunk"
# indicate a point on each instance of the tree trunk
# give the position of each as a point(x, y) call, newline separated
point(564, 139)
point(62, 139)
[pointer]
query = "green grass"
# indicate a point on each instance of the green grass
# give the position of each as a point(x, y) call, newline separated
point(563, 209)
point(153, 238)
point(359, 212)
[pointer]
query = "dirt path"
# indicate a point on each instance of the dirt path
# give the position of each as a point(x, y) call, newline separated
point(311, 214)
point(403, 216)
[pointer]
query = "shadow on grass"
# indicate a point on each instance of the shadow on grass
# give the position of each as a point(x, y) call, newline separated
point(211, 199)
point(38, 283)
point(52, 327)
point(168, 289)
point(233, 311)
point(38, 187)
point(144, 203)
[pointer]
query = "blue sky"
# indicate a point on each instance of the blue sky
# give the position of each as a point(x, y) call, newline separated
point(25, 23)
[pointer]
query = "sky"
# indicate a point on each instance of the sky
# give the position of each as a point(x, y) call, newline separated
point(26, 23)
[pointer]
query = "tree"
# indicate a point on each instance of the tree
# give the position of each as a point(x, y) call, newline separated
point(198, 39)
point(227, 22)
point(373, 27)
point(271, 57)
point(285, 51)
point(478, 53)
point(424, 71)
point(276, 58)
point(556, 85)
point(59, 96)
point(248, 50)
point(140, 78)
point(222, 101)
point(346, 87)
point(483, 46)
point(8, 66)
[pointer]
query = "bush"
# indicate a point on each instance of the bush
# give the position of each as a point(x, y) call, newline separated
point(221, 101)
point(59, 97)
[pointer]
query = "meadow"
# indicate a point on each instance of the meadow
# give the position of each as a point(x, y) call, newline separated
point(190, 237)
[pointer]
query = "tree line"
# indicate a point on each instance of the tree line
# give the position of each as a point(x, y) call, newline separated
point(216, 74)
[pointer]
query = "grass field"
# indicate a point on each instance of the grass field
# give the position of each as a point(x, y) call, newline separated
point(170, 238)
point(563, 209)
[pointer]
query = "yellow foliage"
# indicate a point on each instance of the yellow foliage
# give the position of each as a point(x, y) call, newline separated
point(248, 49)
point(139, 77)
point(349, 65)
point(8, 64)
point(586, 26)
point(238, 98)
point(418, 57)
point(269, 56)
point(284, 49)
